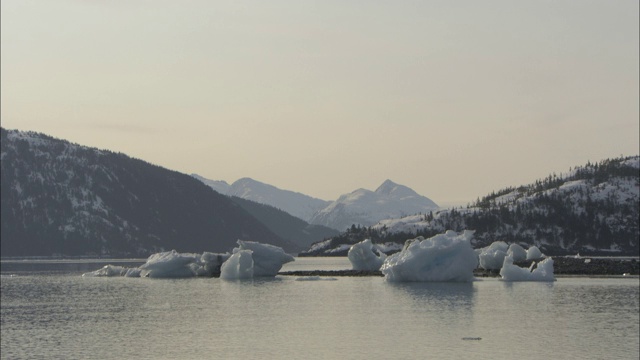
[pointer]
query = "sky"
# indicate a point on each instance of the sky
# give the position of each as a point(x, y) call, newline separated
point(454, 99)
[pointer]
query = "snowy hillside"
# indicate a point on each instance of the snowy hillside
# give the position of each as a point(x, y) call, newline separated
point(365, 207)
point(60, 198)
point(594, 209)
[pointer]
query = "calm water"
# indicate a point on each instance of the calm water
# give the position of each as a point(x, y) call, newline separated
point(49, 311)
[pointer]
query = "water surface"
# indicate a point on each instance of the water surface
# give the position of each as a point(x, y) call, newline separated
point(50, 311)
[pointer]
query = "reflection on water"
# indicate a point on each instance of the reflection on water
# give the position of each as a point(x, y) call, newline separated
point(50, 313)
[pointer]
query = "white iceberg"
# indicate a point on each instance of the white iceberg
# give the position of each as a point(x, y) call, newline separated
point(543, 272)
point(362, 257)
point(267, 259)
point(444, 257)
point(517, 253)
point(533, 253)
point(254, 259)
point(239, 266)
point(172, 264)
point(492, 257)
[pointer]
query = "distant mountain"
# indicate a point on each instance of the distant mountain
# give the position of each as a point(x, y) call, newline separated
point(594, 209)
point(220, 186)
point(288, 227)
point(60, 198)
point(297, 204)
point(364, 207)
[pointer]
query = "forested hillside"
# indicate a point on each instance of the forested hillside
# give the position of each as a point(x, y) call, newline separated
point(593, 209)
point(60, 198)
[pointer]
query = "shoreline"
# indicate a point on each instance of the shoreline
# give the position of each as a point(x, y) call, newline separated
point(562, 267)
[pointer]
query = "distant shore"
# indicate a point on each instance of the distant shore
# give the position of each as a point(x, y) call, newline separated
point(576, 266)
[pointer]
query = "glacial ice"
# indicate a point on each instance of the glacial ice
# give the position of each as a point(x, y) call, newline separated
point(492, 257)
point(114, 270)
point(169, 264)
point(362, 256)
point(239, 266)
point(444, 257)
point(533, 253)
point(543, 272)
point(253, 259)
point(517, 252)
point(172, 264)
point(267, 259)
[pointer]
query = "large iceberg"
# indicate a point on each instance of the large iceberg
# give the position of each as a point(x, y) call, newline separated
point(543, 272)
point(266, 260)
point(444, 257)
point(362, 257)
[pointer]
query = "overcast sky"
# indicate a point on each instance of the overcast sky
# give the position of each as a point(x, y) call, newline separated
point(454, 99)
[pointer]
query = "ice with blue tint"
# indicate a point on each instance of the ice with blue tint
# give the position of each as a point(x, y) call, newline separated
point(444, 257)
point(363, 257)
point(543, 271)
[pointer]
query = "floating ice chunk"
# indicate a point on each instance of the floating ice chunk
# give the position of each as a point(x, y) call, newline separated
point(210, 263)
point(533, 253)
point(169, 264)
point(517, 252)
point(362, 257)
point(444, 257)
point(543, 272)
point(492, 257)
point(114, 270)
point(173, 264)
point(239, 266)
point(267, 259)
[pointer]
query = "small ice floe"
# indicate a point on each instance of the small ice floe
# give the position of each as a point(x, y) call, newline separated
point(362, 256)
point(492, 257)
point(533, 253)
point(114, 270)
point(543, 272)
point(252, 259)
point(586, 261)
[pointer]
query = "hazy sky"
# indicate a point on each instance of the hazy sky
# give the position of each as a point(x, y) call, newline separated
point(454, 99)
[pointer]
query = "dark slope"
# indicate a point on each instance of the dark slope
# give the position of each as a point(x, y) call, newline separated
point(281, 223)
point(60, 198)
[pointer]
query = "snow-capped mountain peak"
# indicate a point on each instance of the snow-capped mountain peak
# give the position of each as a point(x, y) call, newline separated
point(366, 207)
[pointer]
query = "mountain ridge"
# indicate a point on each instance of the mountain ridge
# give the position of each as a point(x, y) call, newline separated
point(594, 209)
point(60, 198)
